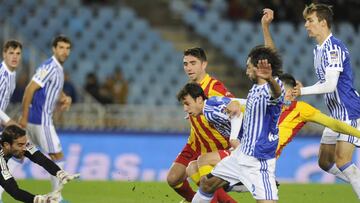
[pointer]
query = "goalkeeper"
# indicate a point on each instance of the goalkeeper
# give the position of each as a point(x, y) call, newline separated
point(14, 144)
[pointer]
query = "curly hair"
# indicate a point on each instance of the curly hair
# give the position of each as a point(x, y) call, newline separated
point(261, 52)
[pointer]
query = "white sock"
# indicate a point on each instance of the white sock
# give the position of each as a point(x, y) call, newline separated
point(55, 183)
point(12, 165)
point(201, 197)
point(353, 174)
point(336, 172)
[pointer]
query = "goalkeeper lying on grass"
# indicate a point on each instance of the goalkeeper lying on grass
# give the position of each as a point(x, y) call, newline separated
point(14, 143)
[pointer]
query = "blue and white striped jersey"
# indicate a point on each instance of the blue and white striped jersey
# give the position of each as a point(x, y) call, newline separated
point(215, 112)
point(50, 76)
point(7, 85)
point(344, 102)
point(260, 125)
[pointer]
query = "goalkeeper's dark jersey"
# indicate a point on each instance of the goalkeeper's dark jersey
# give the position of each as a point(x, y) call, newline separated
point(8, 182)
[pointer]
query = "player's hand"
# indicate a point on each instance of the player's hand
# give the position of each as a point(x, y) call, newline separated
point(65, 177)
point(264, 70)
point(53, 197)
point(233, 109)
point(268, 16)
point(297, 89)
point(234, 143)
point(65, 103)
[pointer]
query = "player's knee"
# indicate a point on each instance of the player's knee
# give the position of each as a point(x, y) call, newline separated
point(173, 179)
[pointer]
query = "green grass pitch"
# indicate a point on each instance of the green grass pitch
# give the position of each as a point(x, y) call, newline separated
point(159, 192)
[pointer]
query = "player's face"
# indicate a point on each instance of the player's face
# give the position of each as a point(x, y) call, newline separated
point(62, 51)
point(288, 93)
point(250, 70)
point(12, 57)
point(18, 147)
point(192, 106)
point(194, 68)
point(313, 26)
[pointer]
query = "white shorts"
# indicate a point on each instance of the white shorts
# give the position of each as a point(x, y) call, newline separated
point(45, 137)
point(331, 137)
point(257, 175)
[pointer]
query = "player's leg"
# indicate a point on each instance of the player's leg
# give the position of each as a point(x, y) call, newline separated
point(49, 142)
point(327, 154)
point(209, 184)
point(343, 159)
point(205, 164)
point(176, 177)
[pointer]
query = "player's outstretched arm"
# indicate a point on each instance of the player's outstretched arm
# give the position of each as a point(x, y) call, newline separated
point(333, 124)
point(268, 16)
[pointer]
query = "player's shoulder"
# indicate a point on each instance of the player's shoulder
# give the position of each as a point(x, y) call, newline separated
point(335, 43)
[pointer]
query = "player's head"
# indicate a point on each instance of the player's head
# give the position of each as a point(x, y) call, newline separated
point(12, 50)
point(195, 63)
point(318, 18)
point(260, 53)
point(13, 141)
point(289, 84)
point(61, 46)
point(192, 97)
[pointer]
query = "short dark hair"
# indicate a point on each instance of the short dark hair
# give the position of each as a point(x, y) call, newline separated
point(196, 52)
point(288, 80)
point(323, 12)
point(60, 38)
point(11, 133)
point(11, 44)
point(261, 52)
point(193, 89)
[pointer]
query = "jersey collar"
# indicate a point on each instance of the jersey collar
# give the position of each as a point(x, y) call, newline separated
point(322, 45)
point(7, 68)
point(57, 62)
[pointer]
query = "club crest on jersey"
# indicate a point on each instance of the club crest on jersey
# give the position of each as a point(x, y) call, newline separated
point(43, 73)
point(334, 56)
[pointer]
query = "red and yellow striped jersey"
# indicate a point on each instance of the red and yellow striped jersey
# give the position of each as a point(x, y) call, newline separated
point(203, 136)
point(291, 120)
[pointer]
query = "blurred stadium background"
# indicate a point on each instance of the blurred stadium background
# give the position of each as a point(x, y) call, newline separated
point(132, 130)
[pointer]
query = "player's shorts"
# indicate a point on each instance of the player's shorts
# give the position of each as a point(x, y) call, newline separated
point(45, 137)
point(331, 137)
point(224, 153)
point(187, 155)
point(257, 175)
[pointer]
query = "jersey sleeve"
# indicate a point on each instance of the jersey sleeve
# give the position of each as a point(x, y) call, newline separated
point(42, 75)
point(39, 158)
point(306, 110)
point(333, 57)
point(280, 99)
point(9, 184)
point(219, 89)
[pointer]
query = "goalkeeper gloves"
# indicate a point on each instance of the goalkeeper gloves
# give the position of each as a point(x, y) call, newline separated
point(53, 197)
point(65, 177)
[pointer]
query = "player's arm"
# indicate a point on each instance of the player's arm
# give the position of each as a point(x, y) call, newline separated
point(329, 85)
point(39, 158)
point(268, 16)
point(333, 124)
point(28, 96)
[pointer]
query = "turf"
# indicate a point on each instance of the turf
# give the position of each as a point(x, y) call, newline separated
point(159, 192)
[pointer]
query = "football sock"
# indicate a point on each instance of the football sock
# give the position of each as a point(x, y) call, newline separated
point(185, 190)
point(204, 170)
point(353, 174)
point(201, 197)
point(336, 172)
point(195, 178)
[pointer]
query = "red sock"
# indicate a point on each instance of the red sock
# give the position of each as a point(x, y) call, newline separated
point(185, 191)
point(221, 196)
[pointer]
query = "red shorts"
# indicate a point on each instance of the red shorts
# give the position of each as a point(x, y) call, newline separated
point(187, 155)
point(224, 153)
